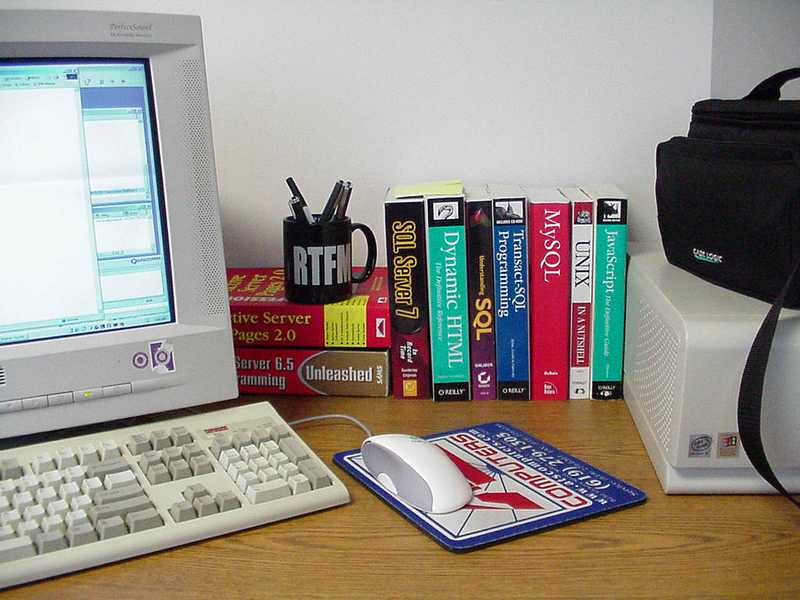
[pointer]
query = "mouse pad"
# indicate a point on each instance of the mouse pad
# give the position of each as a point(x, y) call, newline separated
point(520, 485)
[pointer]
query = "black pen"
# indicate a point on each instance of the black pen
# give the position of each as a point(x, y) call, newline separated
point(300, 210)
point(341, 208)
point(330, 205)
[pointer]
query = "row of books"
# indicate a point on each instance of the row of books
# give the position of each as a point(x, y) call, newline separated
point(506, 292)
point(283, 347)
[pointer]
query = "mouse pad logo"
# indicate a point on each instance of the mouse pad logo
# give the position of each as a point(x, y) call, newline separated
point(520, 485)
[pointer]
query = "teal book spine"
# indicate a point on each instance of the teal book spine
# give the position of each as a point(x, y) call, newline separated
point(448, 298)
point(611, 242)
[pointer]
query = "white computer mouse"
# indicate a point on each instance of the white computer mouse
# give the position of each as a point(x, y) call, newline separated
point(416, 471)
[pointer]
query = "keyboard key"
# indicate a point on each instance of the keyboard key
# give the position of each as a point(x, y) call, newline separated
point(315, 473)
point(45, 496)
point(248, 452)
point(103, 469)
point(269, 448)
point(180, 436)
point(228, 457)
point(5, 504)
point(240, 438)
point(179, 469)
point(226, 501)
point(76, 517)
point(67, 491)
point(293, 449)
point(246, 479)
point(200, 465)
point(195, 491)
point(66, 458)
point(6, 533)
point(268, 474)
point(299, 483)
point(158, 474)
point(51, 478)
point(115, 480)
point(43, 463)
point(10, 469)
point(50, 541)
point(76, 474)
point(160, 439)
point(148, 459)
point(82, 502)
point(124, 492)
point(109, 450)
point(34, 513)
point(53, 523)
point(27, 528)
point(168, 455)
point(87, 455)
point(91, 486)
point(220, 443)
point(28, 483)
point(270, 490)
point(258, 463)
point(118, 509)
point(22, 500)
point(205, 506)
point(138, 443)
point(278, 432)
point(287, 470)
point(111, 528)
point(16, 548)
point(58, 507)
point(278, 459)
point(259, 435)
point(80, 534)
point(143, 519)
point(11, 518)
point(236, 469)
point(182, 511)
point(8, 488)
point(192, 450)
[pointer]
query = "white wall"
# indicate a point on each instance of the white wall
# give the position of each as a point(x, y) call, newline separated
point(753, 40)
point(383, 92)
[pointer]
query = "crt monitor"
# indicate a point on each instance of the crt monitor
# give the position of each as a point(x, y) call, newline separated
point(113, 300)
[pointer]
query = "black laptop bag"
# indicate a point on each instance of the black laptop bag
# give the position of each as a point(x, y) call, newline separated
point(728, 199)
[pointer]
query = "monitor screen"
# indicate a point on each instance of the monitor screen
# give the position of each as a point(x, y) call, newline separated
point(83, 239)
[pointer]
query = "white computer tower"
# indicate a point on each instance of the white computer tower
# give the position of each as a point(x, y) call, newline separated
point(686, 343)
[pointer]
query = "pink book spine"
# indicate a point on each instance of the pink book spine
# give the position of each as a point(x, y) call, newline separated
point(549, 247)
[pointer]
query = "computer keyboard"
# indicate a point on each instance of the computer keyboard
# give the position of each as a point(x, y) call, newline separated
point(83, 501)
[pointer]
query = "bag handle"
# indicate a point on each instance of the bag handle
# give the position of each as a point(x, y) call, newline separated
point(752, 388)
point(770, 88)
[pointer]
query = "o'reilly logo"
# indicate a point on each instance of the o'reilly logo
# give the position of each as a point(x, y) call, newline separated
point(705, 256)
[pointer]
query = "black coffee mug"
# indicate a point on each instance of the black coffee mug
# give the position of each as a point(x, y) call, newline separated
point(317, 259)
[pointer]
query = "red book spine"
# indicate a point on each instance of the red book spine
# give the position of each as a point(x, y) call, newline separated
point(549, 249)
point(312, 372)
point(261, 315)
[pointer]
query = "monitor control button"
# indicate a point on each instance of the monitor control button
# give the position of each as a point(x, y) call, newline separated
point(34, 402)
point(116, 390)
point(62, 398)
point(90, 394)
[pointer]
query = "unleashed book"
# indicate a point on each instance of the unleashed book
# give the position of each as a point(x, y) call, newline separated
point(611, 244)
point(511, 292)
point(448, 296)
point(549, 251)
point(480, 279)
point(262, 316)
point(407, 263)
point(582, 288)
point(310, 372)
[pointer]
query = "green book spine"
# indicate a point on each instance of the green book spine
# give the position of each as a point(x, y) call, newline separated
point(609, 297)
point(448, 297)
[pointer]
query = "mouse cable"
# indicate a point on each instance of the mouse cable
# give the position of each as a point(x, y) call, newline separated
point(325, 417)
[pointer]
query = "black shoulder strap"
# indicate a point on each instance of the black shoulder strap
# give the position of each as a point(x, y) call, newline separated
point(770, 88)
point(752, 387)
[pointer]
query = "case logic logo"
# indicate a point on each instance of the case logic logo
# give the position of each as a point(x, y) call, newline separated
point(704, 256)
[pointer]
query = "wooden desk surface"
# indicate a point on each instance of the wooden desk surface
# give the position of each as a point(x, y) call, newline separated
point(677, 546)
